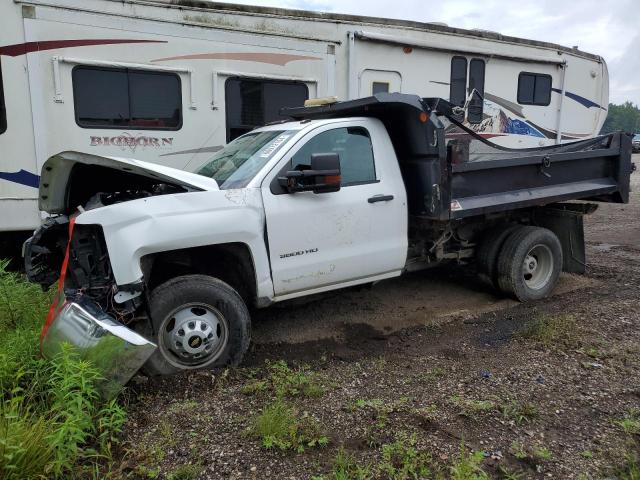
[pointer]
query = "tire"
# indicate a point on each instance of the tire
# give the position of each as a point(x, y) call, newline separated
point(539, 276)
point(488, 250)
point(200, 322)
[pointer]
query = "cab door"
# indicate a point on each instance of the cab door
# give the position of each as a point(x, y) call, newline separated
point(357, 234)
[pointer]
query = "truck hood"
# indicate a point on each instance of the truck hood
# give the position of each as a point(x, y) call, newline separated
point(56, 174)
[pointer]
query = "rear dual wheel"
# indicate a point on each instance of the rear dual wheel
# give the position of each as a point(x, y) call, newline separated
point(522, 261)
point(488, 251)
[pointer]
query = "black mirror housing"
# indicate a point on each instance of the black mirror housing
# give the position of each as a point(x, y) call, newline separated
point(323, 176)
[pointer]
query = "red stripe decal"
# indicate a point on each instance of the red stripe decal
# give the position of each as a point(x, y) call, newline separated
point(60, 299)
point(281, 59)
point(24, 48)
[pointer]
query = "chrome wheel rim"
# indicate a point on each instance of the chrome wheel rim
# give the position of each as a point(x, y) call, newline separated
point(537, 267)
point(193, 336)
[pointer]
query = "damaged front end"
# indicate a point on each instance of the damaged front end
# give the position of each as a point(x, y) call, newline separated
point(93, 312)
point(88, 311)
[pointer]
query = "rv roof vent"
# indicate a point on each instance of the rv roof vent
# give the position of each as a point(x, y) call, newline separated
point(318, 102)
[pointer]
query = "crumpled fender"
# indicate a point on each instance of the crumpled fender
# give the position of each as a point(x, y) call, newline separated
point(184, 220)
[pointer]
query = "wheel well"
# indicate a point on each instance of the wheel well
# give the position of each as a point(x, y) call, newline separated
point(230, 262)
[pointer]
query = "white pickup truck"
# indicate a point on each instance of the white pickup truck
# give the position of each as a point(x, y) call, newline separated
point(162, 266)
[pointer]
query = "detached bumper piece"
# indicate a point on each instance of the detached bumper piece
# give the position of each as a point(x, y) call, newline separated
point(117, 351)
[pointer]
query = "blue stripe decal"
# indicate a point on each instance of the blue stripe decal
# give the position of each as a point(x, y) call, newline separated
point(22, 177)
point(581, 100)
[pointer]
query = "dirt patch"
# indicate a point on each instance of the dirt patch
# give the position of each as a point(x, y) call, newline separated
point(543, 390)
point(428, 298)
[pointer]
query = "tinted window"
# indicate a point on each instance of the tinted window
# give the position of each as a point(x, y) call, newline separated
point(123, 98)
point(253, 103)
point(153, 97)
point(534, 89)
point(3, 109)
point(379, 87)
point(458, 88)
point(476, 81)
point(353, 144)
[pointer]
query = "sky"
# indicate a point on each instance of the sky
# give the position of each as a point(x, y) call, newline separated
point(609, 28)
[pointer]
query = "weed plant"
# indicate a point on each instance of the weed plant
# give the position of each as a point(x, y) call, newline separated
point(52, 421)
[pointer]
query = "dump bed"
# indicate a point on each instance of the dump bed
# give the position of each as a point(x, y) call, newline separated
point(450, 172)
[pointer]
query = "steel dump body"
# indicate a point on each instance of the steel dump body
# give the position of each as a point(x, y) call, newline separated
point(451, 173)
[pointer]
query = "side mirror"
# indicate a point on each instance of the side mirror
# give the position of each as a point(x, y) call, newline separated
point(323, 176)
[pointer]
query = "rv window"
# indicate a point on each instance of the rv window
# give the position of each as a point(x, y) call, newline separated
point(252, 103)
point(379, 87)
point(129, 99)
point(354, 147)
point(534, 89)
point(476, 81)
point(458, 87)
point(3, 110)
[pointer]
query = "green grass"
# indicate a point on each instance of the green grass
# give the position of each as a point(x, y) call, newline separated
point(52, 422)
point(507, 474)
point(279, 426)
point(468, 466)
point(630, 471)
point(533, 453)
point(519, 412)
point(186, 472)
point(381, 411)
point(553, 330)
point(402, 460)
point(542, 453)
point(345, 467)
point(472, 408)
point(398, 460)
point(284, 381)
point(630, 424)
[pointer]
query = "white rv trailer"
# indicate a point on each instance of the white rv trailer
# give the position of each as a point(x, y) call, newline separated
point(171, 81)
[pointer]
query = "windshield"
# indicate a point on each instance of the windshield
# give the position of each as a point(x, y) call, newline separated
point(236, 164)
point(637, 137)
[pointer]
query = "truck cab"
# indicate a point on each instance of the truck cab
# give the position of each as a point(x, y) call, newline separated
point(343, 194)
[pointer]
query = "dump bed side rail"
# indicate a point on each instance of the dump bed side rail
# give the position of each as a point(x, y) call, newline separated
point(496, 185)
point(451, 172)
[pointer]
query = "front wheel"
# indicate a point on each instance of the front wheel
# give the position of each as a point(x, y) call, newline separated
point(199, 322)
point(529, 263)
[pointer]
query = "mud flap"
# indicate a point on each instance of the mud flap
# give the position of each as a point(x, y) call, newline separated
point(566, 221)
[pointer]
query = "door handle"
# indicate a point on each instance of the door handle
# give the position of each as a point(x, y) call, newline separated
point(380, 198)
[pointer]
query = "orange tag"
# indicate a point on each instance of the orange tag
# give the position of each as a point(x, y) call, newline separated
point(59, 300)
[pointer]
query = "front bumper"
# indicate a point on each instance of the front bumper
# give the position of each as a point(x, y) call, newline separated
point(117, 351)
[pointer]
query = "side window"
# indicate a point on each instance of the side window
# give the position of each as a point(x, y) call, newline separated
point(476, 80)
point(124, 98)
point(3, 109)
point(379, 87)
point(252, 103)
point(353, 144)
point(534, 89)
point(458, 85)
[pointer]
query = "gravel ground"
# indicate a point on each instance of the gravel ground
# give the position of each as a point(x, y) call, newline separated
point(434, 357)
